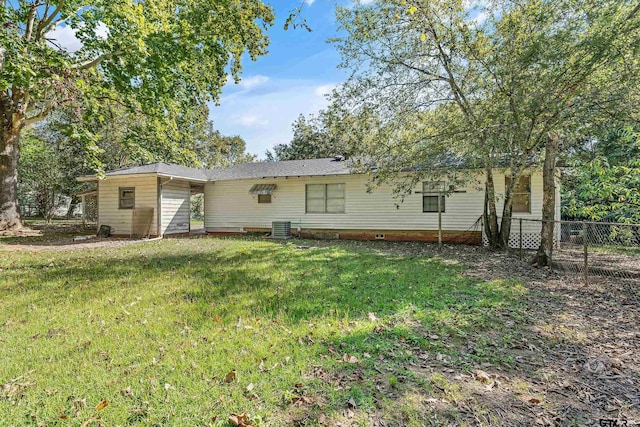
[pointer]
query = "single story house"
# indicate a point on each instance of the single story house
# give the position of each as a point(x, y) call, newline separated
point(319, 197)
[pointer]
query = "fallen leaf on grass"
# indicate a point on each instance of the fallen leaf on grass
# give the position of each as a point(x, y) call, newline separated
point(351, 403)
point(481, 376)
point(102, 405)
point(534, 401)
point(302, 399)
point(249, 387)
point(89, 421)
point(349, 358)
point(372, 316)
point(80, 403)
point(240, 420)
point(231, 376)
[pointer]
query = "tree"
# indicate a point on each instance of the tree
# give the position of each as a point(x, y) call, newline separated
point(602, 180)
point(53, 155)
point(212, 149)
point(159, 57)
point(41, 176)
point(446, 86)
point(314, 137)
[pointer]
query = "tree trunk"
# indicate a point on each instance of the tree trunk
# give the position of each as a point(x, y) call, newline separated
point(9, 153)
point(490, 212)
point(507, 211)
point(545, 250)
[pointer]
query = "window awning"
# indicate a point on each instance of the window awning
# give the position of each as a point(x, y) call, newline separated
point(262, 189)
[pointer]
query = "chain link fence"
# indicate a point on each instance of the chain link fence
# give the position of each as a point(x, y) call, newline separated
point(590, 250)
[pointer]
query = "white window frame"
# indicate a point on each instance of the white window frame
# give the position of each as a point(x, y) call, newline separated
point(514, 193)
point(326, 198)
point(434, 189)
point(121, 198)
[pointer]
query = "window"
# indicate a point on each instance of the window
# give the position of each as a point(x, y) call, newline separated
point(521, 194)
point(127, 199)
point(430, 193)
point(325, 198)
point(264, 198)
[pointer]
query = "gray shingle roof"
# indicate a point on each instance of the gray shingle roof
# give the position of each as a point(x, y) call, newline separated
point(162, 169)
point(309, 167)
point(280, 169)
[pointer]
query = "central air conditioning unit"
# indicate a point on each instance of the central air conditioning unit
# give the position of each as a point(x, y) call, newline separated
point(281, 229)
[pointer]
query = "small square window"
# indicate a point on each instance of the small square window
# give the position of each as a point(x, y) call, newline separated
point(127, 198)
point(430, 203)
point(264, 198)
point(430, 192)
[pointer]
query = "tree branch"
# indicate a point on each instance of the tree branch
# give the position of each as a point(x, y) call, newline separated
point(94, 62)
point(48, 20)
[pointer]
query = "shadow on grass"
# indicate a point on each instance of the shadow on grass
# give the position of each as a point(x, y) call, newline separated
point(411, 324)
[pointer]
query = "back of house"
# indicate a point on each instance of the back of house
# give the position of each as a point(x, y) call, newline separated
point(321, 198)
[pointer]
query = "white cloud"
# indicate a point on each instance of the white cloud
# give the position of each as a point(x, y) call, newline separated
point(324, 90)
point(102, 31)
point(253, 81)
point(65, 37)
point(249, 120)
point(309, 2)
point(263, 118)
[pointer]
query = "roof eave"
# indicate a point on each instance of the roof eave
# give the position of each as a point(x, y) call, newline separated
point(182, 177)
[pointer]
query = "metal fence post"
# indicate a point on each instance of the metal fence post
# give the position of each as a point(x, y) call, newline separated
point(585, 229)
point(440, 221)
point(520, 239)
point(553, 225)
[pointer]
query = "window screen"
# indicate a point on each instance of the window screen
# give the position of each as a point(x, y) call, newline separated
point(127, 198)
point(521, 194)
point(430, 192)
point(264, 198)
point(325, 198)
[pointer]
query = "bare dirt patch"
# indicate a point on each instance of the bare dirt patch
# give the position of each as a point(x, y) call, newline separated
point(57, 237)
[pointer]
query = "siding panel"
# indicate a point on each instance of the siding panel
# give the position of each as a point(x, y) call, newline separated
point(120, 219)
point(175, 205)
point(228, 204)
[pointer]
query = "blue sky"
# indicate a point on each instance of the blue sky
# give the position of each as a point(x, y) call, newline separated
point(292, 79)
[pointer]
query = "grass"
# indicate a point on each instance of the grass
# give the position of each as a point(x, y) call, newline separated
point(197, 223)
point(313, 335)
point(617, 250)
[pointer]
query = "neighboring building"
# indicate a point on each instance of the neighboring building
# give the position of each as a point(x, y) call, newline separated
point(320, 197)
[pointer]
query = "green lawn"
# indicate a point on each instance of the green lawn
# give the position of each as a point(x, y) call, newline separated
point(314, 335)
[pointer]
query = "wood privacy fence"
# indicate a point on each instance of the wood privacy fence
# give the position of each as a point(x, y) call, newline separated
point(591, 250)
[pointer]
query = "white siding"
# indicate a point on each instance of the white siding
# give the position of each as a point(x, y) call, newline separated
point(228, 204)
point(146, 188)
point(175, 205)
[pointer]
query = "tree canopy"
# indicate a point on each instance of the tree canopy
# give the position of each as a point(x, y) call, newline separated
point(602, 180)
point(162, 59)
point(443, 84)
